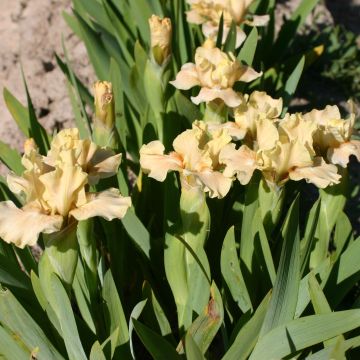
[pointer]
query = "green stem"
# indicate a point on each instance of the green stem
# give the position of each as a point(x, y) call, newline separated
point(216, 111)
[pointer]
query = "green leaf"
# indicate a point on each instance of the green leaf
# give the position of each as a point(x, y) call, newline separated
point(205, 327)
point(191, 349)
point(288, 31)
point(320, 304)
point(306, 243)
point(36, 130)
point(82, 118)
point(247, 52)
point(230, 42)
point(230, 270)
point(24, 328)
point(285, 293)
point(251, 204)
point(342, 234)
point(18, 111)
point(301, 333)
point(186, 108)
point(135, 314)
point(247, 337)
point(180, 35)
point(220, 33)
point(82, 297)
point(120, 32)
point(97, 352)
point(332, 203)
point(345, 274)
point(176, 275)
point(61, 249)
point(114, 314)
point(118, 88)
point(318, 299)
point(328, 353)
point(322, 272)
point(11, 158)
point(60, 302)
point(137, 231)
point(186, 265)
point(99, 57)
point(11, 274)
point(157, 346)
point(10, 348)
point(291, 84)
point(87, 247)
point(140, 12)
point(83, 90)
point(96, 11)
point(258, 228)
point(160, 315)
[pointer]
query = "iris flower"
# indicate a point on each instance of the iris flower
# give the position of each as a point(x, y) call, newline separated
point(216, 73)
point(55, 189)
point(195, 157)
point(208, 14)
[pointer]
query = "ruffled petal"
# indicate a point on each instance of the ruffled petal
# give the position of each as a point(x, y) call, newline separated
point(210, 30)
point(103, 164)
point(215, 183)
point(230, 127)
point(267, 134)
point(108, 204)
point(193, 17)
point(155, 163)
point(64, 188)
point(341, 155)
point(22, 227)
point(241, 162)
point(229, 96)
point(320, 174)
point(186, 78)
point(17, 184)
point(265, 104)
point(248, 74)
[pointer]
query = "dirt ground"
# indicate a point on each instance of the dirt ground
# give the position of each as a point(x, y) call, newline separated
point(31, 31)
point(30, 34)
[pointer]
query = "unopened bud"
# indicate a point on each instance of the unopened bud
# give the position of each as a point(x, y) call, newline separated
point(161, 32)
point(29, 145)
point(104, 122)
point(104, 103)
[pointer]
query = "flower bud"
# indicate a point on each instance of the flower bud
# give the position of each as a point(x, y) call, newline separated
point(161, 32)
point(29, 145)
point(104, 123)
point(104, 103)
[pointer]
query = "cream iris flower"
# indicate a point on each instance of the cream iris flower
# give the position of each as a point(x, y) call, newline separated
point(208, 14)
point(195, 157)
point(332, 138)
point(279, 157)
point(55, 189)
point(216, 73)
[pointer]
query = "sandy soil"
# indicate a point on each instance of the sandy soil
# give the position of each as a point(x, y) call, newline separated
point(30, 33)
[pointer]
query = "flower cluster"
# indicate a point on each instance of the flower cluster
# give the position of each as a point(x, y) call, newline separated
point(208, 14)
point(298, 146)
point(55, 188)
